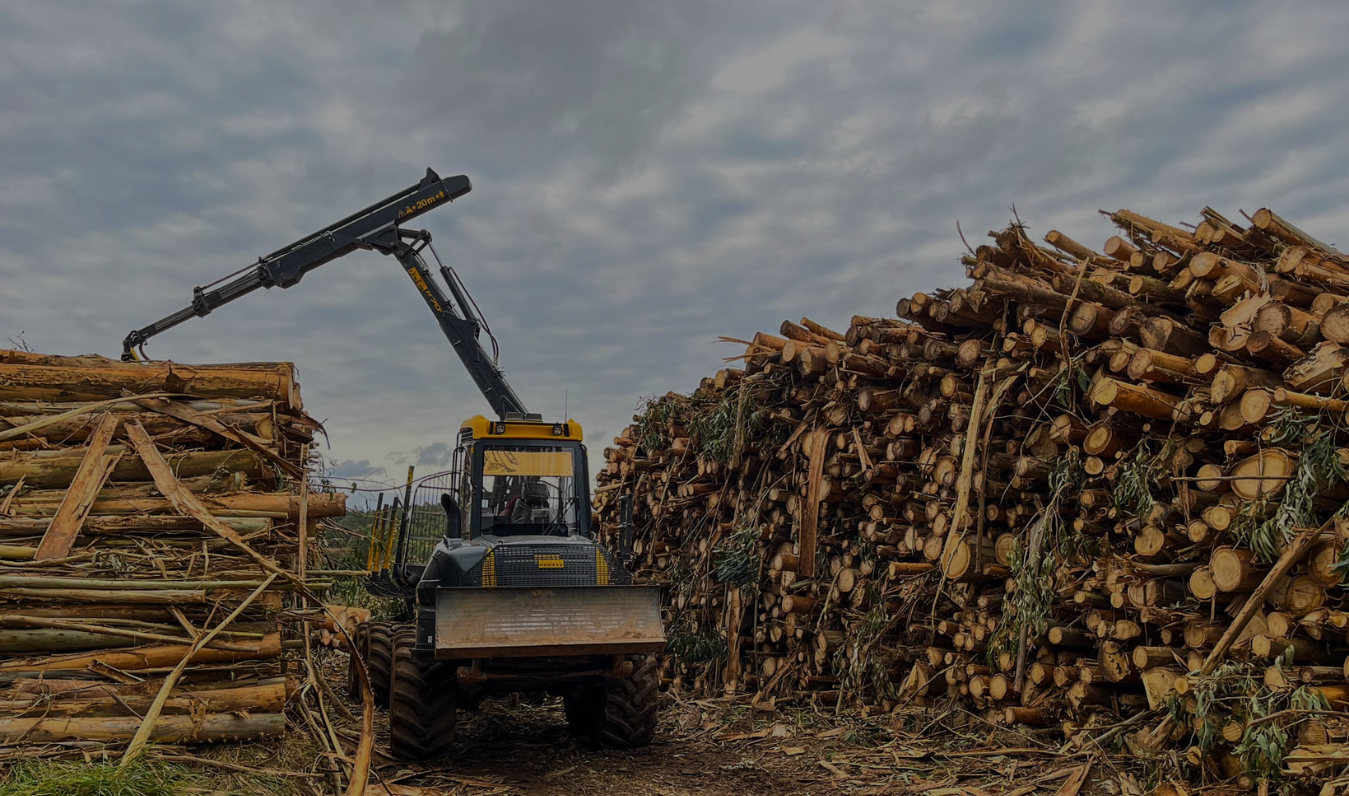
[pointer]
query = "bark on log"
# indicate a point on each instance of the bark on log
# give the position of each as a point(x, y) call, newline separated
point(109, 379)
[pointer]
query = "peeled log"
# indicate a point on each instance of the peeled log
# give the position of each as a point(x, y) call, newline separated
point(1319, 371)
point(1201, 584)
point(150, 657)
point(134, 524)
point(100, 701)
point(1232, 380)
point(1335, 324)
point(56, 469)
point(1164, 334)
point(278, 505)
point(1119, 249)
point(1135, 399)
point(1233, 569)
point(1149, 365)
point(1207, 265)
point(1262, 475)
point(1321, 563)
point(1269, 222)
point(110, 379)
point(203, 728)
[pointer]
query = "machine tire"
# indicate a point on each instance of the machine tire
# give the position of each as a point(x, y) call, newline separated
point(627, 718)
point(360, 643)
point(582, 705)
point(379, 660)
point(422, 704)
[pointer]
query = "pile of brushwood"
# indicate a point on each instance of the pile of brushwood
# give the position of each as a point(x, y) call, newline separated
point(1089, 486)
point(155, 536)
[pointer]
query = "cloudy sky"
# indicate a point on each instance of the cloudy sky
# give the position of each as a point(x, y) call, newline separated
point(647, 175)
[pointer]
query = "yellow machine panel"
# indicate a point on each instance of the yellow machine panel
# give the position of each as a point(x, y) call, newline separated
point(512, 462)
point(482, 428)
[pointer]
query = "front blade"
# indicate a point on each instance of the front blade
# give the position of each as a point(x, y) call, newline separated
point(536, 622)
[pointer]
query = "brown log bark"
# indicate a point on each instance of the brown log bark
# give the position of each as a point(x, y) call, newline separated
point(89, 478)
point(57, 469)
point(89, 381)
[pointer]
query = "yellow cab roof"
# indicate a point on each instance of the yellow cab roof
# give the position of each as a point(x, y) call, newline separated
point(483, 428)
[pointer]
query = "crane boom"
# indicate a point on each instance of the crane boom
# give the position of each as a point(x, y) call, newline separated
point(376, 228)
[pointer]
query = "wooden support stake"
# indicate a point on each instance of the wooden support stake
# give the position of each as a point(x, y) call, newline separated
point(79, 499)
point(1300, 545)
point(810, 511)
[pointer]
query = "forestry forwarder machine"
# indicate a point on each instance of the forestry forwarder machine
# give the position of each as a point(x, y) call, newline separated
point(505, 587)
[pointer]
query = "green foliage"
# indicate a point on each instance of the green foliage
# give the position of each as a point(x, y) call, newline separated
point(79, 778)
point(736, 560)
point(655, 417)
point(1035, 571)
point(345, 544)
point(1264, 745)
point(1237, 689)
point(693, 645)
point(1069, 383)
point(1229, 683)
point(859, 663)
point(717, 426)
point(1140, 479)
point(731, 422)
point(1318, 467)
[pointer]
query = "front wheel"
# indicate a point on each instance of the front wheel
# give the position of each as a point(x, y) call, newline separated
point(379, 660)
point(423, 704)
point(627, 716)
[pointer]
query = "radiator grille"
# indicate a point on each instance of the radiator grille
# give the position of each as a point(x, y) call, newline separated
point(547, 565)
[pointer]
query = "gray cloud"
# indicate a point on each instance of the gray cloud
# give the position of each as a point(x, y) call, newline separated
point(647, 175)
point(436, 455)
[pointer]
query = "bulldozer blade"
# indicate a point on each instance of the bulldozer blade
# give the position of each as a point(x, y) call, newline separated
point(546, 622)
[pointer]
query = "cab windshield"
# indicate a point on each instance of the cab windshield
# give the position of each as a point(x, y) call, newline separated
point(528, 490)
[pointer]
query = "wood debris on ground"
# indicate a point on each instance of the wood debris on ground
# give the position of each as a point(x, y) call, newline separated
point(155, 528)
point(1094, 491)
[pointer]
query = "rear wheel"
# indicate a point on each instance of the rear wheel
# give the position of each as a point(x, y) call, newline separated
point(360, 650)
point(423, 704)
point(627, 717)
point(379, 660)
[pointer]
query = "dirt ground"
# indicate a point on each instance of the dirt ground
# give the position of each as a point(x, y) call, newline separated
point(728, 748)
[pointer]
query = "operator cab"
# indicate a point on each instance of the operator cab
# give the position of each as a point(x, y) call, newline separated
point(522, 477)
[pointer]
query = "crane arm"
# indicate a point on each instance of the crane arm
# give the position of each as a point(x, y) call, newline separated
point(456, 317)
point(376, 228)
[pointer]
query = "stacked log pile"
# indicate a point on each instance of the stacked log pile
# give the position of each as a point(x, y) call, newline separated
point(1091, 483)
point(153, 532)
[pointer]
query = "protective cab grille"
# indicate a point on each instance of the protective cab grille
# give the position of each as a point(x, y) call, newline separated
point(547, 565)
